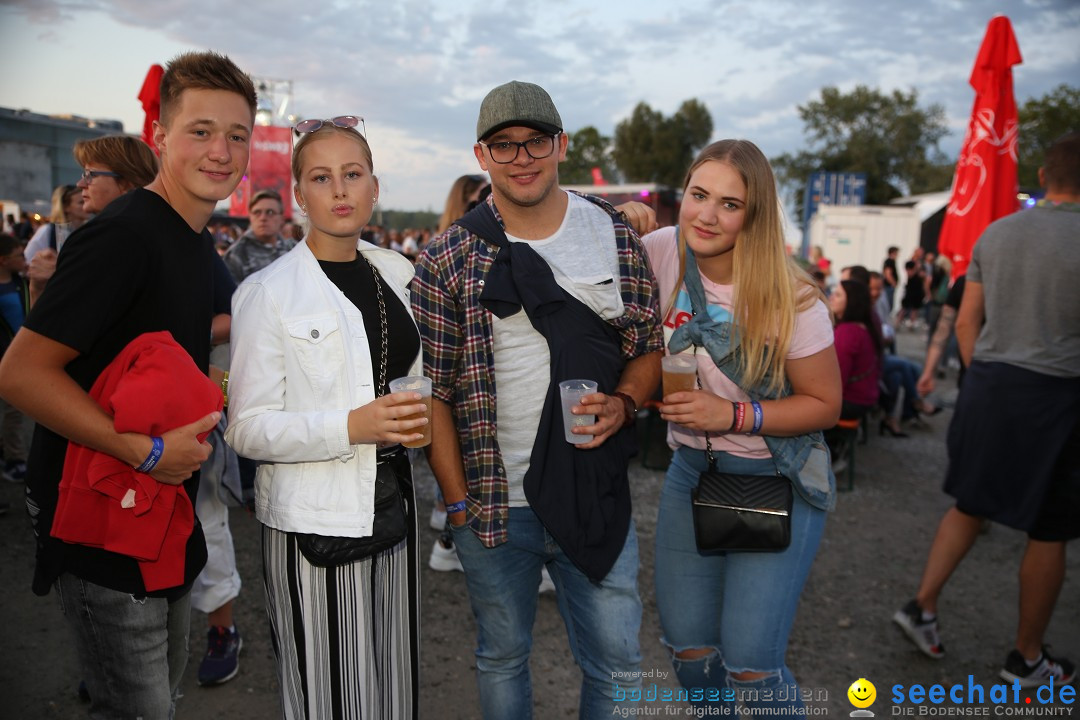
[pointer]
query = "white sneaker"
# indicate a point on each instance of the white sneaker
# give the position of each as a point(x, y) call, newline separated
point(444, 559)
point(438, 518)
point(546, 585)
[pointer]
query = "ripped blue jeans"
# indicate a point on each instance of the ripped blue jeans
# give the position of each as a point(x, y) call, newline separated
point(739, 605)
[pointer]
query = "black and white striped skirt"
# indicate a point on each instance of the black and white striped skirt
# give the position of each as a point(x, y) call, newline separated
point(346, 638)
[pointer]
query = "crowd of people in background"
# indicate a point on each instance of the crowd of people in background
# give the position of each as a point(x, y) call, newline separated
point(516, 277)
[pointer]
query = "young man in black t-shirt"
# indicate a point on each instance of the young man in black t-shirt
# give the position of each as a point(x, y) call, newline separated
point(143, 265)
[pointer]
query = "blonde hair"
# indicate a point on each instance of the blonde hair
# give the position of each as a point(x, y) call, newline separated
point(769, 289)
point(59, 199)
point(457, 202)
point(326, 129)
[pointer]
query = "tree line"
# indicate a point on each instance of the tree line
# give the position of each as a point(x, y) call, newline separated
point(889, 136)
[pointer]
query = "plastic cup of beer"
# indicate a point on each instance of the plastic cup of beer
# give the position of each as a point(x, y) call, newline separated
point(679, 373)
point(570, 391)
point(422, 385)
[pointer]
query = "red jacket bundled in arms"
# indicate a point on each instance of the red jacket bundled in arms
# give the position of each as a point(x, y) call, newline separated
point(151, 387)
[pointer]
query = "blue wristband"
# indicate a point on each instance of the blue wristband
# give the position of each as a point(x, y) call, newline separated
point(155, 454)
point(457, 507)
point(758, 417)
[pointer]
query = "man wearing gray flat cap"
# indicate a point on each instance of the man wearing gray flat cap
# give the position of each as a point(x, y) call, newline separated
point(534, 287)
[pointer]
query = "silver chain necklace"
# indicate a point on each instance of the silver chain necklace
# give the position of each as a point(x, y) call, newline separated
point(382, 325)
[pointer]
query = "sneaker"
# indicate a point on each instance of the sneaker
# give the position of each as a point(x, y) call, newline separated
point(15, 471)
point(1060, 670)
point(222, 660)
point(438, 519)
point(923, 633)
point(444, 558)
point(546, 584)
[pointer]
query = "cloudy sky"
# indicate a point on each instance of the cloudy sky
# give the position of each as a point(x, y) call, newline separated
point(418, 69)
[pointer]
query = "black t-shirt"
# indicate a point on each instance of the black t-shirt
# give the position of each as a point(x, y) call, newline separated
point(890, 264)
point(356, 281)
point(136, 268)
point(224, 287)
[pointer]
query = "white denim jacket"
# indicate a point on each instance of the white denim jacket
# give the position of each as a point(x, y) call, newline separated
point(300, 362)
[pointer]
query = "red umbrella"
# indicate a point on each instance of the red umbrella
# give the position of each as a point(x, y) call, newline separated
point(150, 97)
point(984, 187)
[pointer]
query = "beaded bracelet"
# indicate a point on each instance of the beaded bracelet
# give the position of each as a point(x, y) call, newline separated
point(740, 416)
point(151, 460)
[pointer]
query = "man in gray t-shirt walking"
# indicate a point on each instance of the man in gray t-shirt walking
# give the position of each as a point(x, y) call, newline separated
point(1014, 443)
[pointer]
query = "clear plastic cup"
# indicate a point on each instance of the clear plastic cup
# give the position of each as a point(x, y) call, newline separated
point(679, 373)
point(570, 391)
point(422, 385)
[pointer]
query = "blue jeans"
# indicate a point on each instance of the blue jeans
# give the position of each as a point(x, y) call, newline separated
point(899, 372)
point(602, 620)
point(739, 605)
point(132, 652)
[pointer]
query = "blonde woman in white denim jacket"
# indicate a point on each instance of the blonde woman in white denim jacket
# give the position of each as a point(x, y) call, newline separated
point(305, 402)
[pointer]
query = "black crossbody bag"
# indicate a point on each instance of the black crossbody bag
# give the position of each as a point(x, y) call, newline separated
point(390, 525)
point(740, 513)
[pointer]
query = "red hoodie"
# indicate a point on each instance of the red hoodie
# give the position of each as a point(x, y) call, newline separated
point(152, 386)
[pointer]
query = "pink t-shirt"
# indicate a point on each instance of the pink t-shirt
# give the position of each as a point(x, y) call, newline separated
point(813, 333)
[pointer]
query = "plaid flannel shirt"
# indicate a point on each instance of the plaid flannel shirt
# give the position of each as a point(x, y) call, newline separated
point(459, 355)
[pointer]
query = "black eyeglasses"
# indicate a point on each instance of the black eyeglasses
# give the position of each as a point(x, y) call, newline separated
point(506, 151)
point(349, 122)
point(89, 175)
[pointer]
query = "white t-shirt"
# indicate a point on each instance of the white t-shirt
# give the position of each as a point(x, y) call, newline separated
point(813, 333)
point(584, 259)
point(40, 241)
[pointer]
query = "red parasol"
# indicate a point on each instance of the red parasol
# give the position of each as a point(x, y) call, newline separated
point(984, 187)
point(150, 97)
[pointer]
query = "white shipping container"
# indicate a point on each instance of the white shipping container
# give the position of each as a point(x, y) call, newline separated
point(861, 235)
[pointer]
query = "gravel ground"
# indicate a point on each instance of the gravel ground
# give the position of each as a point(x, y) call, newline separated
point(868, 565)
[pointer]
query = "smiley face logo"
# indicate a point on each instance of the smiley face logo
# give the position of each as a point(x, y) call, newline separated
point(862, 693)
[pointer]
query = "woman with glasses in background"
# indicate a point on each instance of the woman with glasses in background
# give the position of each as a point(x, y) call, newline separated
point(316, 337)
point(112, 165)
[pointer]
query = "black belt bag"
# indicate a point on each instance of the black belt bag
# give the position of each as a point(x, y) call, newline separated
point(389, 528)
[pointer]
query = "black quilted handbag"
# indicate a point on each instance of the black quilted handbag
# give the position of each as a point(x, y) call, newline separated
point(389, 528)
point(741, 513)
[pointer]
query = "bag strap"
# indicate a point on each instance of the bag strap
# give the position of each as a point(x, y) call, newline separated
point(692, 281)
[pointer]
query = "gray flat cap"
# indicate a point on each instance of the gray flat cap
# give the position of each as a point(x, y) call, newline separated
point(517, 103)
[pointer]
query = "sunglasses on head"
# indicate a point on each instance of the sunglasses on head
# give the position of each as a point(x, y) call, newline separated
point(349, 122)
